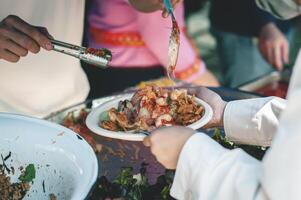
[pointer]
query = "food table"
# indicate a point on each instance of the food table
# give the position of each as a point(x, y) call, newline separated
point(273, 84)
point(114, 154)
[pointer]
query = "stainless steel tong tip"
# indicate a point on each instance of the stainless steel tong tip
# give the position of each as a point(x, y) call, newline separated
point(82, 53)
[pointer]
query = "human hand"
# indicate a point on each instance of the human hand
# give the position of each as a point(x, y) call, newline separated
point(273, 46)
point(298, 2)
point(17, 37)
point(166, 144)
point(217, 104)
point(152, 5)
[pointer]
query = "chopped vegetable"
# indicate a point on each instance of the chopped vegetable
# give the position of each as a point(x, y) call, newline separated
point(217, 136)
point(11, 191)
point(255, 151)
point(104, 116)
point(128, 185)
point(29, 174)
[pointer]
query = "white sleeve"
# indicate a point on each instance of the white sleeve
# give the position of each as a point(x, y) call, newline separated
point(282, 164)
point(253, 121)
point(206, 170)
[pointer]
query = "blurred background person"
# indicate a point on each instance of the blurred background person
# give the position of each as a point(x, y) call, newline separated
point(40, 84)
point(250, 41)
point(139, 42)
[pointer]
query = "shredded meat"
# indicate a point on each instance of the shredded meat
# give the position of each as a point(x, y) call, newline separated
point(109, 125)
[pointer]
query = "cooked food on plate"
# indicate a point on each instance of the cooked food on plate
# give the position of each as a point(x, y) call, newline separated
point(150, 108)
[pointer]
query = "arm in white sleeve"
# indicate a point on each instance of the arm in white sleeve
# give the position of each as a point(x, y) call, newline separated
point(208, 171)
point(253, 121)
point(282, 164)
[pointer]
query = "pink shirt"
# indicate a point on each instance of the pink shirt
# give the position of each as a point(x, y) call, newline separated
point(140, 39)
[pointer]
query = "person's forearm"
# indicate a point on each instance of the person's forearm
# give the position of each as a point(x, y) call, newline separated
point(145, 5)
point(206, 170)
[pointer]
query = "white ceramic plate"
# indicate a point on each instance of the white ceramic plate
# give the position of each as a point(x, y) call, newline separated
point(93, 120)
point(63, 160)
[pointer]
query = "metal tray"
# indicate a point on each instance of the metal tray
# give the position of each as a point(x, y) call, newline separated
point(260, 82)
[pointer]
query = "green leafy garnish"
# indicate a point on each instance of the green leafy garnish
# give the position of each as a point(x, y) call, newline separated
point(255, 151)
point(104, 116)
point(125, 177)
point(217, 136)
point(29, 174)
point(165, 192)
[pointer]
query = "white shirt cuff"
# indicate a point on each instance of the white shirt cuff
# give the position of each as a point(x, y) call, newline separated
point(253, 121)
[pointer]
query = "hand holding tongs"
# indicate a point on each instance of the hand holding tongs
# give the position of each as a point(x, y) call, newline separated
point(85, 54)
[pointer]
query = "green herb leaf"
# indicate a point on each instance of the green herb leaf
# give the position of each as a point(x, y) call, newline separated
point(29, 174)
point(125, 177)
point(104, 116)
point(165, 192)
point(217, 136)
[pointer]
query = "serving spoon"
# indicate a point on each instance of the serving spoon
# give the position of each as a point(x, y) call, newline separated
point(174, 41)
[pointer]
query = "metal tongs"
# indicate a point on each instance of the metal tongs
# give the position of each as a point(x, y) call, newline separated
point(83, 53)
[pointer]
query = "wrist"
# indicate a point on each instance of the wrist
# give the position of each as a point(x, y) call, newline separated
point(269, 29)
point(218, 116)
point(220, 122)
